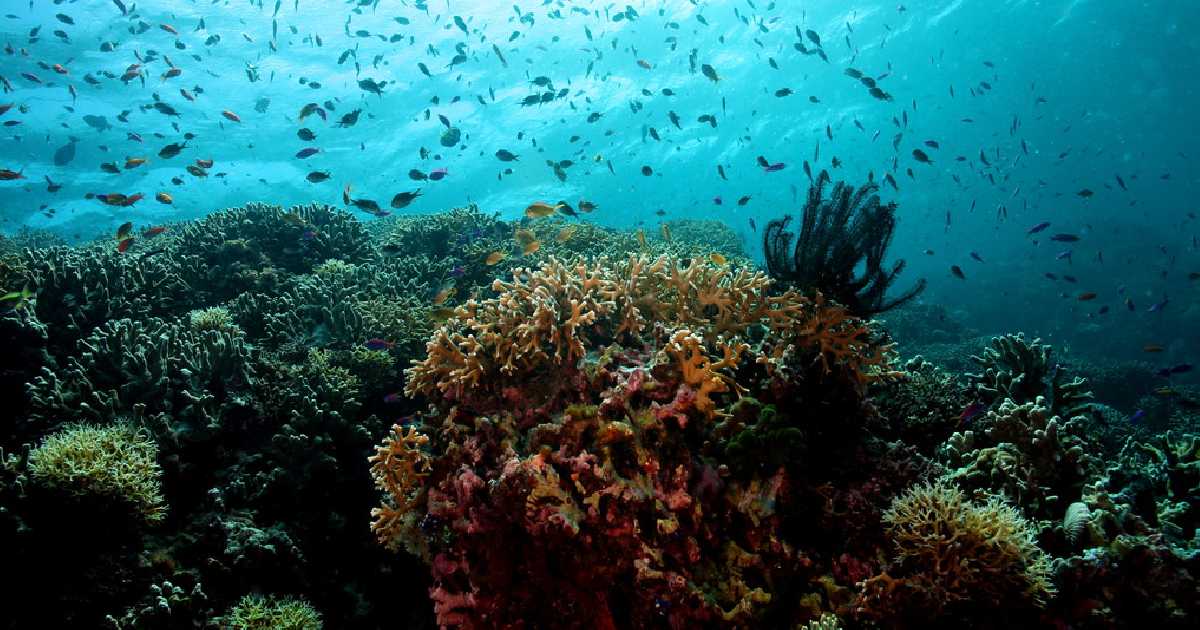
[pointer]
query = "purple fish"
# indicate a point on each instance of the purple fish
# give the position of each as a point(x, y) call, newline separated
point(976, 256)
point(968, 414)
point(308, 235)
point(1065, 238)
point(379, 344)
point(1066, 253)
point(1038, 228)
point(307, 152)
point(1137, 416)
point(458, 271)
point(771, 168)
point(1158, 306)
point(393, 398)
point(717, 200)
point(438, 174)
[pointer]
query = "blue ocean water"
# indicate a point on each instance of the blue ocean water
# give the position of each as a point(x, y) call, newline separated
point(1057, 96)
point(1041, 155)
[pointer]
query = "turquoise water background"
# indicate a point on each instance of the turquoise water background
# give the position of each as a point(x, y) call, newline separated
point(1094, 90)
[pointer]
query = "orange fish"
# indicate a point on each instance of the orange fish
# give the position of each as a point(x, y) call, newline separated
point(154, 231)
point(445, 294)
point(204, 163)
point(124, 244)
point(231, 116)
point(168, 28)
point(58, 67)
point(7, 175)
point(134, 162)
point(531, 248)
point(173, 72)
point(346, 195)
point(539, 209)
point(132, 199)
point(645, 64)
point(186, 94)
point(1087, 295)
point(163, 197)
point(494, 258)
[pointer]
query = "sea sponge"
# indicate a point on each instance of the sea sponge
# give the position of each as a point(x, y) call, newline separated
point(255, 612)
point(952, 551)
point(116, 462)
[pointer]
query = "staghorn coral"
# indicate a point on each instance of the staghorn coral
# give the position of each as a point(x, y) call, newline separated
point(567, 453)
point(953, 554)
point(113, 463)
point(1021, 370)
point(839, 236)
point(215, 318)
point(255, 612)
point(340, 306)
point(166, 605)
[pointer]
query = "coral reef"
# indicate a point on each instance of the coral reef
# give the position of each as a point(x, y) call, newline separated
point(116, 463)
point(615, 428)
point(573, 414)
point(255, 612)
point(1020, 370)
point(249, 248)
point(1035, 459)
point(838, 236)
point(952, 553)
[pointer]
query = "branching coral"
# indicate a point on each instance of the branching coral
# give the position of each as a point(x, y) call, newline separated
point(567, 456)
point(849, 231)
point(236, 248)
point(547, 319)
point(1037, 460)
point(113, 463)
point(255, 612)
point(398, 467)
point(951, 552)
point(146, 367)
point(1021, 370)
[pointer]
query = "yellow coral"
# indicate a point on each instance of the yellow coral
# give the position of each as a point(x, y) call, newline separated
point(398, 466)
point(951, 550)
point(115, 462)
point(548, 319)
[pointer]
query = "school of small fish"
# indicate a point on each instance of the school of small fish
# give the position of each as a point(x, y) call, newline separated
point(604, 101)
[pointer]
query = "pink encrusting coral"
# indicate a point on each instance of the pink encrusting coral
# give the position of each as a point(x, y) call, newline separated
point(570, 473)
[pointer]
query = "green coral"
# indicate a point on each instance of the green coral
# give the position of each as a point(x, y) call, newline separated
point(214, 318)
point(761, 439)
point(255, 612)
point(1038, 460)
point(116, 462)
point(1021, 370)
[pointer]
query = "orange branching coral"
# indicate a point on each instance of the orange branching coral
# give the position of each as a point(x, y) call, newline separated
point(551, 317)
point(700, 372)
point(398, 466)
